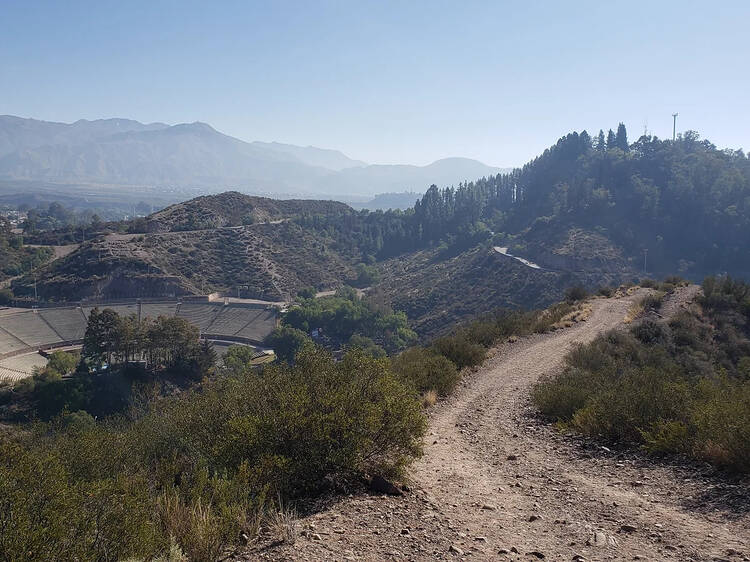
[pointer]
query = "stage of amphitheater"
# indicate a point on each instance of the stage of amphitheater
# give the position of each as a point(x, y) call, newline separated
point(25, 334)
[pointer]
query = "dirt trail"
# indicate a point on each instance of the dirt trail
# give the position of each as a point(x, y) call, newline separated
point(494, 484)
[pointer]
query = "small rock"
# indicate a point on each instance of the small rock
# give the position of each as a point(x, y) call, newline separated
point(514, 550)
point(578, 558)
point(533, 518)
point(628, 528)
point(512, 457)
point(404, 531)
point(480, 539)
point(489, 507)
point(536, 554)
point(503, 551)
point(315, 537)
point(455, 550)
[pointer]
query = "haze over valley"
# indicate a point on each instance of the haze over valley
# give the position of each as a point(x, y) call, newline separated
point(121, 154)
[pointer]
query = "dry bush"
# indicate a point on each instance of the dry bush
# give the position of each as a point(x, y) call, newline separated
point(283, 524)
point(429, 398)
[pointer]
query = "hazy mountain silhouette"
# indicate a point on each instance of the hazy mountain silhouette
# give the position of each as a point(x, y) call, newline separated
point(126, 152)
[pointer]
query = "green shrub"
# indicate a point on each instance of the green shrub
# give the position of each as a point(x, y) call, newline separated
point(652, 302)
point(680, 387)
point(606, 291)
point(459, 350)
point(287, 342)
point(575, 294)
point(426, 370)
point(202, 467)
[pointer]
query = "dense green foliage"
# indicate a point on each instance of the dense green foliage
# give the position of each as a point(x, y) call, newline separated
point(680, 387)
point(203, 467)
point(686, 201)
point(339, 317)
point(15, 258)
point(165, 343)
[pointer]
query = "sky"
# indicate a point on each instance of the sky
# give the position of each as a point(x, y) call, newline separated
point(386, 81)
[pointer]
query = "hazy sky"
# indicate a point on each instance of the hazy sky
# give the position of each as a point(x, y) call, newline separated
point(383, 81)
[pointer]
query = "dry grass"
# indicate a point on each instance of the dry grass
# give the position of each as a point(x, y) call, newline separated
point(194, 527)
point(429, 398)
point(635, 310)
point(282, 524)
point(580, 313)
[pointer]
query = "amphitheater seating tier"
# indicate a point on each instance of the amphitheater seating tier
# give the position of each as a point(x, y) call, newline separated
point(8, 343)
point(202, 315)
point(232, 320)
point(29, 327)
point(260, 327)
point(154, 310)
point(69, 323)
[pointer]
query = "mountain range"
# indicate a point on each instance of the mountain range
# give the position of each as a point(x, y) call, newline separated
point(123, 152)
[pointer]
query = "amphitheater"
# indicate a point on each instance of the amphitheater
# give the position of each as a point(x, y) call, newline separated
point(27, 335)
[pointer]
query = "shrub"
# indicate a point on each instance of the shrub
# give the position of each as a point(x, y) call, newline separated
point(680, 387)
point(652, 302)
point(426, 370)
point(307, 293)
point(201, 467)
point(577, 293)
point(606, 291)
point(286, 342)
point(459, 350)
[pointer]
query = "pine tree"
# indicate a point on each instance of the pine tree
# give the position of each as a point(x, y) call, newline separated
point(611, 140)
point(621, 140)
point(601, 145)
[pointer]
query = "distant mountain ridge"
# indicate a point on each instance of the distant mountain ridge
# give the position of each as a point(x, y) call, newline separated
point(123, 152)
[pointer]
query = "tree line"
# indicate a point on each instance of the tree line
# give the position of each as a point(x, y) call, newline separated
point(686, 201)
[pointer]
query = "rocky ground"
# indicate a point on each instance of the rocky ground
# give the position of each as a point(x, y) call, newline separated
point(496, 483)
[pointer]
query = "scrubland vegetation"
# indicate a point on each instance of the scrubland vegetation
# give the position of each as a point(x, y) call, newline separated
point(345, 315)
point(676, 387)
point(436, 368)
point(15, 258)
point(200, 469)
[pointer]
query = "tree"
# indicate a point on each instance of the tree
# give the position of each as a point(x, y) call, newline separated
point(601, 144)
point(611, 142)
point(286, 342)
point(621, 139)
point(101, 337)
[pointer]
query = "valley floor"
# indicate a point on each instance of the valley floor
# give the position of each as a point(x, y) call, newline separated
point(495, 484)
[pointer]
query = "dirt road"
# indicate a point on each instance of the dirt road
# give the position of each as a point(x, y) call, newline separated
point(495, 484)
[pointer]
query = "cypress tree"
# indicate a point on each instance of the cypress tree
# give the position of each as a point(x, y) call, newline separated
point(601, 145)
point(621, 140)
point(611, 140)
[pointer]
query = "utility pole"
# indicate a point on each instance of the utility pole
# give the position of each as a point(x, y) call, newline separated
point(674, 126)
point(645, 253)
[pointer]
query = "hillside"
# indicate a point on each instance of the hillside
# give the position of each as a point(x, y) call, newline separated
point(586, 213)
point(264, 261)
point(437, 292)
point(126, 153)
point(234, 209)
